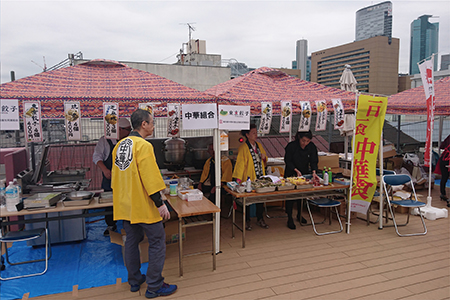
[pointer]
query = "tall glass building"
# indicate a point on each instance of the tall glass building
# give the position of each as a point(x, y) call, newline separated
point(374, 20)
point(424, 42)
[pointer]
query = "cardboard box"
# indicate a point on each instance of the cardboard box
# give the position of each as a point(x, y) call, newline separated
point(331, 160)
point(171, 229)
point(389, 151)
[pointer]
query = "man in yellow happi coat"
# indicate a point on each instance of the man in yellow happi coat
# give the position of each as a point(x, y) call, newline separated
point(207, 180)
point(136, 183)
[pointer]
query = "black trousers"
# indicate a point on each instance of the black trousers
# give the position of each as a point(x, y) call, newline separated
point(445, 174)
point(259, 212)
point(290, 206)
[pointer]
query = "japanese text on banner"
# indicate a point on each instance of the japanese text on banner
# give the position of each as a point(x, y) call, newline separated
point(234, 117)
point(9, 118)
point(110, 120)
point(72, 116)
point(173, 119)
point(266, 117)
point(338, 113)
point(321, 120)
point(286, 115)
point(305, 117)
point(33, 122)
point(369, 125)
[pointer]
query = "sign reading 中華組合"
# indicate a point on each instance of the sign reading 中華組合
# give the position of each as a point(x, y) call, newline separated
point(266, 118)
point(305, 116)
point(32, 121)
point(321, 120)
point(110, 120)
point(234, 117)
point(199, 116)
point(9, 118)
point(72, 116)
point(369, 125)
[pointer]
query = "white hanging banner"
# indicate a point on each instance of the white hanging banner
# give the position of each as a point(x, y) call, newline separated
point(286, 116)
point(9, 118)
point(426, 72)
point(266, 117)
point(305, 116)
point(149, 107)
point(234, 117)
point(72, 116)
point(173, 119)
point(110, 119)
point(338, 113)
point(321, 120)
point(32, 123)
point(199, 116)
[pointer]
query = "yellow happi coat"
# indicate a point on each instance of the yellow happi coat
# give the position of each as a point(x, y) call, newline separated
point(135, 176)
point(226, 168)
point(244, 163)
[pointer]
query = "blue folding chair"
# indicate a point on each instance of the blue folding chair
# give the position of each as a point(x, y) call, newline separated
point(325, 203)
point(390, 181)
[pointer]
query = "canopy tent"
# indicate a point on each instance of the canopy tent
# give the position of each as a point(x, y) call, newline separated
point(98, 81)
point(271, 85)
point(413, 101)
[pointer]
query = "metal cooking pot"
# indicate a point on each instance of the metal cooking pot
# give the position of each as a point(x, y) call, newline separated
point(200, 153)
point(174, 150)
point(79, 195)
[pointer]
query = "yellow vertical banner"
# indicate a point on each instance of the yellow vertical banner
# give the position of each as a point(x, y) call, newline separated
point(368, 128)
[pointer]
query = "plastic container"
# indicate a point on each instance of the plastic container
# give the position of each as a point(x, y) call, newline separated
point(248, 187)
point(173, 188)
point(18, 186)
point(12, 197)
point(325, 179)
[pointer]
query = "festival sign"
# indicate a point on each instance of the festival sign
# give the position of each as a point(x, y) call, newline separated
point(199, 116)
point(266, 117)
point(110, 119)
point(33, 122)
point(9, 118)
point(286, 116)
point(321, 120)
point(338, 113)
point(150, 108)
point(305, 116)
point(369, 125)
point(173, 119)
point(234, 117)
point(426, 72)
point(72, 116)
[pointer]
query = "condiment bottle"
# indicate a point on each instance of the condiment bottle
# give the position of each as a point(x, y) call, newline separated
point(248, 187)
point(325, 178)
point(330, 175)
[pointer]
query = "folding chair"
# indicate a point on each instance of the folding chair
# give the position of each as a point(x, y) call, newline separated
point(25, 235)
point(390, 181)
point(326, 203)
point(377, 194)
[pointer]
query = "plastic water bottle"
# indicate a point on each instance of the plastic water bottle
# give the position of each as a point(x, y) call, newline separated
point(323, 172)
point(325, 178)
point(248, 187)
point(12, 197)
point(330, 176)
point(19, 188)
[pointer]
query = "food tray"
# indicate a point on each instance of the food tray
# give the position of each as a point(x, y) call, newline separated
point(265, 189)
point(41, 200)
point(342, 181)
point(105, 197)
point(68, 202)
point(285, 187)
point(304, 186)
point(190, 195)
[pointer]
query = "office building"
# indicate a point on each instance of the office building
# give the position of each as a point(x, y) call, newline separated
point(302, 57)
point(424, 42)
point(374, 20)
point(374, 63)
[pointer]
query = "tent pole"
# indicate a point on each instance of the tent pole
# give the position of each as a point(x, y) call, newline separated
point(441, 124)
point(217, 159)
point(399, 122)
point(349, 205)
point(380, 154)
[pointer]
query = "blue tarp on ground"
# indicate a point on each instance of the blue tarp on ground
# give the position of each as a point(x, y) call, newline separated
point(92, 262)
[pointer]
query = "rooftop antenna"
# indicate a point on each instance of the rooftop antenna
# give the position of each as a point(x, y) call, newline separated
point(44, 68)
point(191, 28)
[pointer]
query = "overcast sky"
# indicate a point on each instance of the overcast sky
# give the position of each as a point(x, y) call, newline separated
point(257, 33)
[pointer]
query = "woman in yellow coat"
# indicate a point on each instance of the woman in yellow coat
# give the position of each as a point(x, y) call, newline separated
point(251, 162)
